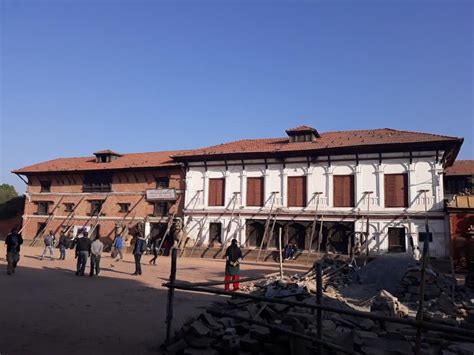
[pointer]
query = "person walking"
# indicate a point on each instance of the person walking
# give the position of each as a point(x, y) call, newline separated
point(49, 240)
point(96, 251)
point(63, 244)
point(138, 250)
point(13, 241)
point(233, 257)
point(83, 248)
point(155, 244)
point(118, 245)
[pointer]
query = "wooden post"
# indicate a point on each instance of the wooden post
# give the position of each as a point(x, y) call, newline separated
point(419, 314)
point(281, 255)
point(169, 308)
point(319, 296)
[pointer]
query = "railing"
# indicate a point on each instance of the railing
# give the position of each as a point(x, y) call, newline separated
point(172, 285)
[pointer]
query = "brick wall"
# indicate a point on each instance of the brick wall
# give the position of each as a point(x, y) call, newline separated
point(127, 187)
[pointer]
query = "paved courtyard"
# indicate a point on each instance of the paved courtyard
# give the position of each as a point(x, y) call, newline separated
point(46, 309)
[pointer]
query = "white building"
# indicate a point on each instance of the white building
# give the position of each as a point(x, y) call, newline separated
point(307, 178)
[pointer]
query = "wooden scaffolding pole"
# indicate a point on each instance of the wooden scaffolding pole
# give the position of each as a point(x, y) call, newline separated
point(313, 227)
point(48, 221)
point(267, 224)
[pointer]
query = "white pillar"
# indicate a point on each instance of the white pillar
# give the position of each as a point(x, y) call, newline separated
point(358, 187)
point(329, 186)
point(284, 187)
point(380, 191)
point(437, 177)
point(266, 189)
point(205, 188)
point(412, 190)
point(243, 188)
point(310, 187)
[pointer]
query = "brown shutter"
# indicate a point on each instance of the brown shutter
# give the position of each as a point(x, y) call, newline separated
point(255, 191)
point(216, 192)
point(396, 190)
point(343, 190)
point(297, 191)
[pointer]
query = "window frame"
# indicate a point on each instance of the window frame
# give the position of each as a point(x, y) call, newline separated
point(97, 182)
point(96, 211)
point(67, 205)
point(164, 211)
point(124, 207)
point(406, 201)
point(262, 191)
point(162, 182)
point(45, 186)
point(216, 204)
point(42, 208)
point(351, 191)
point(304, 192)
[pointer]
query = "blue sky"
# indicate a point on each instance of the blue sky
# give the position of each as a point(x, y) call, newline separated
point(133, 76)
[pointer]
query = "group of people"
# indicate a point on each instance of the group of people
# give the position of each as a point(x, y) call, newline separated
point(85, 248)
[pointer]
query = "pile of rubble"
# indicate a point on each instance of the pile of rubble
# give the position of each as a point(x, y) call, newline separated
point(445, 301)
point(241, 326)
point(435, 285)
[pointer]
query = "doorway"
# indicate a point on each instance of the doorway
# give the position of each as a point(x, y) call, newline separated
point(396, 240)
point(215, 232)
point(255, 232)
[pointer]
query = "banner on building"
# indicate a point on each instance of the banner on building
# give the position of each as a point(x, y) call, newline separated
point(161, 195)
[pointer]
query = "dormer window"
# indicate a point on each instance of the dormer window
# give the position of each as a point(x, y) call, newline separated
point(302, 134)
point(106, 156)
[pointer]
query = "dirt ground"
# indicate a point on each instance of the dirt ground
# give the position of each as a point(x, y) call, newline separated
point(46, 309)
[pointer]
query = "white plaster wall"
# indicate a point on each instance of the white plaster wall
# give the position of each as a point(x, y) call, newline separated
point(369, 176)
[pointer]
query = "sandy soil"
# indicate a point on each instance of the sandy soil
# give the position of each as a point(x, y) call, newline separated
point(46, 309)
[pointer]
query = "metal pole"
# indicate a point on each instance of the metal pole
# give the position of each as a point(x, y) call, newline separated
point(419, 314)
point(281, 256)
point(170, 304)
point(319, 312)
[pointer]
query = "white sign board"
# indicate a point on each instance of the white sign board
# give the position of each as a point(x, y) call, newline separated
point(161, 195)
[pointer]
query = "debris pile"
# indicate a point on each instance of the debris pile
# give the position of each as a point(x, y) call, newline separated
point(435, 285)
point(386, 304)
point(242, 326)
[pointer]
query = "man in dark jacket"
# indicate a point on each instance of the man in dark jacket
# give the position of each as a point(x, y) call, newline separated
point(138, 249)
point(13, 242)
point(63, 244)
point(83, 250)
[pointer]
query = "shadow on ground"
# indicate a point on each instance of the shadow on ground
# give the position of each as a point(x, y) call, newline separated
point(52, 311)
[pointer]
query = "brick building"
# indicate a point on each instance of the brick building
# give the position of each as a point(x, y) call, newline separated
point(104, 193)
point(318, 187)
point(458, 180)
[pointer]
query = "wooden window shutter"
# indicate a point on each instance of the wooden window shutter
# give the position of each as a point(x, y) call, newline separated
point(297, 191)
point(396, 190)
point(216, 192)
point(343, 190)
point(255, 191)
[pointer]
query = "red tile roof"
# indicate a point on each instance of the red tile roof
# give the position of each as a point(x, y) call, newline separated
point(126, 161)
point(328, 140)
point(460, 167)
